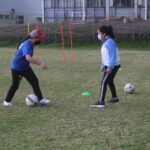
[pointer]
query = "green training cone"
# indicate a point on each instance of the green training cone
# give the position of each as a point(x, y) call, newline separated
point(86, 94)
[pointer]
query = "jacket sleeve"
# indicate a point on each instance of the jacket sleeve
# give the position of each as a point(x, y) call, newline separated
point(112, 54)
point(102, 66)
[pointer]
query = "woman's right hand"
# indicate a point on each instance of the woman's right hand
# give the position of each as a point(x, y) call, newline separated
point(43, 66)
point(101, 69)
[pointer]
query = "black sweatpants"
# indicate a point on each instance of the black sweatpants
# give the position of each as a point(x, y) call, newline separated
point(108, 79)
point(16, 79)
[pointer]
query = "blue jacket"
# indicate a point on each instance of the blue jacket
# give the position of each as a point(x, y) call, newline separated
point(109, 54)
point(19, 61)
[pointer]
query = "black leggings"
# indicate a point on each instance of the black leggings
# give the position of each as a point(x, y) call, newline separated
point(108, 78)
point(16, 79)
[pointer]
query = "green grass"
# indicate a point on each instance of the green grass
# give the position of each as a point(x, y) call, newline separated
point(126, 45)
point(69, 123)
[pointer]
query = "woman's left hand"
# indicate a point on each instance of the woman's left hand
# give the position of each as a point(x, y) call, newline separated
point(43, 66)
point(108, 70)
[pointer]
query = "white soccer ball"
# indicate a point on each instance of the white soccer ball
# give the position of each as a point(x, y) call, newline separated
point(129, 88)
point(31, 100)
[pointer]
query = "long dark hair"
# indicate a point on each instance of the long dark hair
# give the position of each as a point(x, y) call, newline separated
point(108, 30)
point(26, 38)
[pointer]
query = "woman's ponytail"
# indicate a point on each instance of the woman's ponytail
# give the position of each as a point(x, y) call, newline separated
point(28, 37)
point(108, 30)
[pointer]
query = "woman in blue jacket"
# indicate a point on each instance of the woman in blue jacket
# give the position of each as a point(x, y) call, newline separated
point(20, 67)
point(109, 66)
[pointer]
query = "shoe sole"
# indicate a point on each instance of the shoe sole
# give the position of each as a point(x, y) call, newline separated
point(42, 104)
point(7, 105)
point(97, 106)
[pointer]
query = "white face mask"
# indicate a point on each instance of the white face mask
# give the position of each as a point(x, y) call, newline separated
point(99, 37)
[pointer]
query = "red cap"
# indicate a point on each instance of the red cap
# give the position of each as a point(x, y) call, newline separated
point(40, 34)
point(37, 33)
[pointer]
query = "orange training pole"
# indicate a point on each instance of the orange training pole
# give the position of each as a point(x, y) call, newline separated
point(71, 42)
point(37, 47)
point(28, 28)
point(63, 43)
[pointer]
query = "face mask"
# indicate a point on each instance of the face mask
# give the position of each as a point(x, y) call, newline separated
point(37, 42)
point(99, 37)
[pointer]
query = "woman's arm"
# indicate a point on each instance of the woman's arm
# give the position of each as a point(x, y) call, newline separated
point(36, 62)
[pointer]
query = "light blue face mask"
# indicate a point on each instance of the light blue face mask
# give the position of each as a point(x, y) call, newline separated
point(99, 37)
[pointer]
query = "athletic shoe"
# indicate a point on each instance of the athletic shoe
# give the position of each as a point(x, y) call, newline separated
point(44, 101)
point(5, 103)
point(114, 100)
point(98, 105)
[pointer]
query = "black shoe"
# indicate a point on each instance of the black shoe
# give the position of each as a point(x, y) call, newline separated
point(114, 100)
point(98, 105)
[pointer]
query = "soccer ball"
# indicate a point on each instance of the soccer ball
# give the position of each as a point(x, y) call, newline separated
point(31, 100)
point(129, 88)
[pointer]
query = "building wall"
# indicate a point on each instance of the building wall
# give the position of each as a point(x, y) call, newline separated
point(27, 10)
point(64, 10)
point(5, 7)
point(148, 13)
point(24, 11)
point(28, 6)
point(122, 12)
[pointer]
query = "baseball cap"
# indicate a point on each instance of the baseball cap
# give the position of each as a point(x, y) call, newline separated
point(36, 33)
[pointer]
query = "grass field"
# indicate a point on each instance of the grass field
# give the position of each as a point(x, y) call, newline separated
point(68, 123)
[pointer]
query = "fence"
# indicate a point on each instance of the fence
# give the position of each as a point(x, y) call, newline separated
point(83, 32)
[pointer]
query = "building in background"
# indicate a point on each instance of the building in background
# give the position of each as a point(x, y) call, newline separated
point(35, 11)
point(20, 11)
point(73, 10)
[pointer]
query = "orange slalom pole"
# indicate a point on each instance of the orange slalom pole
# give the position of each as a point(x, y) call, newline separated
point(28, 28)
point(37, 51)
point(63, 43)
point(71, 42)
point(37, 26)
point(37, 47)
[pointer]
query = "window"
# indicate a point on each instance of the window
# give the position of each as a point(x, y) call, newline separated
point(69, 3)
point(90, 3)
point(96, 3)
point(39, 19)
point(19, 20)
point(124, 3)
point(1, 16)
point(55, 3)
point(148, 3)
point(100, 3)
point(49, 3)
point(6, 17)
point(78, 3)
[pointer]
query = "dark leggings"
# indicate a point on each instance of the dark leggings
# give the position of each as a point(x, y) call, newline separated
point(108, 79)
point(16, 79)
